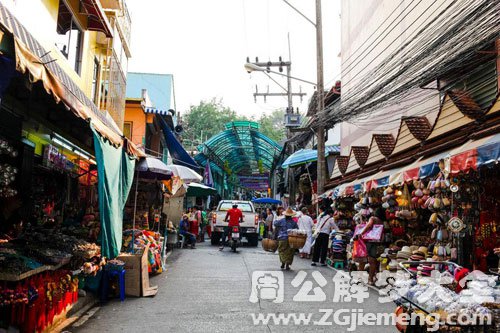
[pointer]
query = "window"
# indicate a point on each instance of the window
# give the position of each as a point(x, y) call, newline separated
point(244, 207)
point(69, 37)
point(95, 81)
point(127, 129)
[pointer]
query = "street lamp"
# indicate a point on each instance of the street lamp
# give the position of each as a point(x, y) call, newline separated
point(249, 67)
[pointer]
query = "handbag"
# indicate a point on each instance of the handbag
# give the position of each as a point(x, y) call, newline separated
point(373, 235)
point(359, 249)
point(317, 231)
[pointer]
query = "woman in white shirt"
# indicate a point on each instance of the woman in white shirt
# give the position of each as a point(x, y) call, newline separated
point(324, 227)
point(306, 223)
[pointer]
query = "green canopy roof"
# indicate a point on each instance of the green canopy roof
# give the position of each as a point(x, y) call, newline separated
point(240, 149)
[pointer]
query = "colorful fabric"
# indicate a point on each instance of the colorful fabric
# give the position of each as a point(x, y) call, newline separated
point(285, 252)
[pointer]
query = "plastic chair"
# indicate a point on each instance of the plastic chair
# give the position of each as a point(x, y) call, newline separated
point(182, 241)
point(107, 276)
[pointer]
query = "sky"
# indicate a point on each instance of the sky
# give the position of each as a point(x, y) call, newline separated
point(204, 44)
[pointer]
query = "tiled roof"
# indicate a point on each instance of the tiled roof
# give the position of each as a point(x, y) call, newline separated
point(466, 104)
point(488, 126)
point(385, 143)
point(361, 154)
point(343, 162)
point(419, 127)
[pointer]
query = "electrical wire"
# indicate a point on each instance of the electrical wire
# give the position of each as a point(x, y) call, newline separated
point(455, 34)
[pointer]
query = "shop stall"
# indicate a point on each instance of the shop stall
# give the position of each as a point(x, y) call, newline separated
point(437, 213)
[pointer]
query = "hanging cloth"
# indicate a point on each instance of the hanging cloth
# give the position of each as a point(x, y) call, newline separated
point(115, 169)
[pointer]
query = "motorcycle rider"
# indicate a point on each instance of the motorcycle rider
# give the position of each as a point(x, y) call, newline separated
point(235, 216)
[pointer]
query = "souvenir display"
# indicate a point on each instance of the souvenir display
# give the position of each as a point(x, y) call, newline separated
point(8, 172)
point(143, 238)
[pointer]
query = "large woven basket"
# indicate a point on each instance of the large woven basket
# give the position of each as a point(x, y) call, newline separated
point(269, 245)
point(297, 241)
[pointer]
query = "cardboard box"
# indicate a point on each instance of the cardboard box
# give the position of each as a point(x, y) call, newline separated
point(136, 274)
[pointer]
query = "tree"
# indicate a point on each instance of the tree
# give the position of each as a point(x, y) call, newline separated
point(207, 119)
point(273, 125)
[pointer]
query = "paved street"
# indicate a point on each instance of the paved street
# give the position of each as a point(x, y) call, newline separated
point(205, 290)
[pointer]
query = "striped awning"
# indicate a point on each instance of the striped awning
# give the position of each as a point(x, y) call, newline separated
point(157, 111)
point(31, 57)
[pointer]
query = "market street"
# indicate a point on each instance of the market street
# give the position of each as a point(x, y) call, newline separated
point(205, 290)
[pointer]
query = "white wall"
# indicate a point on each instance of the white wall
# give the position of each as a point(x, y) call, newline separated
point(362, 52)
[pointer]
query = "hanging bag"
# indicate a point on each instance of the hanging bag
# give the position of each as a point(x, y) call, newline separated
point(359, 249)
point(375, 234)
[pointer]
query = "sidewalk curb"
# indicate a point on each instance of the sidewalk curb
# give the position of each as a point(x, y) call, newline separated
point(75, 317)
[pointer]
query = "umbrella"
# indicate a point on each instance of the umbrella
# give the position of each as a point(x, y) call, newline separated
point(184, 173)
point(153, 168)
point(304, 156)
point(148, 168)
point(199, 190)
point(270, 201)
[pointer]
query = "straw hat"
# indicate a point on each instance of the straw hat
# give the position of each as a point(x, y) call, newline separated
point(423, 250)
point(405, 253)
point(393, 265)
point(289, 212)
point(406, 249)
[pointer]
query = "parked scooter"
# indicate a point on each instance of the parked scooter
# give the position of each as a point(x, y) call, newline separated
point(235, 238)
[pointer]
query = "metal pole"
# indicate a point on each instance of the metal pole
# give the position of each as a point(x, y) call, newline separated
point(321, 101)
point(135, 209)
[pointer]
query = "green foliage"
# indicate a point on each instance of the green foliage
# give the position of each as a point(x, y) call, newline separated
point(208, 118)
point(273, 125)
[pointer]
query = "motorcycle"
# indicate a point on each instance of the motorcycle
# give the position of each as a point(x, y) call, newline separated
point(235, 238)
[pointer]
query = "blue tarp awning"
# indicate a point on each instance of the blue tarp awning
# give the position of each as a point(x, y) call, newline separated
point(270, 201)
point(304, 156)
point(178, 153)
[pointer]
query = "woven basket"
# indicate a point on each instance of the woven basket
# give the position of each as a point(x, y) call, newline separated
point(269, 245)
point(297, 241)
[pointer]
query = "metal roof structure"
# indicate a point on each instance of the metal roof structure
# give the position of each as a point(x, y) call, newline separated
point(240, 149)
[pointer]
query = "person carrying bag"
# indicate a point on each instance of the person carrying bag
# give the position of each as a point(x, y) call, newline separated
point(322, 235)
point(372, 234)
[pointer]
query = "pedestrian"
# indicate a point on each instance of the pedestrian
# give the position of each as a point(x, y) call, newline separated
point(210, 213)
point(273, 210)
point(279, 213)
point(371, 249)
point(269, 223)
point(306, 223)
point(204, 224)
point(184, 230)
point(201, 222)
point(194, 223)
point(324, 227)
point(282, 226)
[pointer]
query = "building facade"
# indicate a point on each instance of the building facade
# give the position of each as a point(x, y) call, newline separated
point(418, 78)
point(89, 40)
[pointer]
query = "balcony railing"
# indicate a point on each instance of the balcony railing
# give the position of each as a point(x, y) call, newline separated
point(124, 23)
point(113, 89)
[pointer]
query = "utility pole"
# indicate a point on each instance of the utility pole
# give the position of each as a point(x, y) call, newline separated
point(289, 110)
point(321, 100)
point(288, 90)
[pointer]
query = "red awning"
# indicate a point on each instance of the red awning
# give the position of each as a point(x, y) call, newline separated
point(97, 20)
